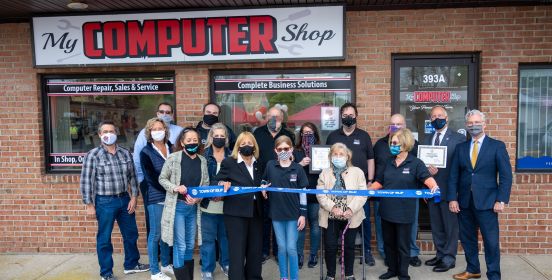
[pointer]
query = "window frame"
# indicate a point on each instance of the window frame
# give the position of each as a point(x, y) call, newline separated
point(46, 116)
point(527, 66)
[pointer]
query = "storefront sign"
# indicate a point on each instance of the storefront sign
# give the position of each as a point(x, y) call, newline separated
point(73, 88)
point(188, 37)
point(328, 84)
point(66, 159)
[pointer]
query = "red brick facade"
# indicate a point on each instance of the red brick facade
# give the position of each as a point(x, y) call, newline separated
point(44, 213)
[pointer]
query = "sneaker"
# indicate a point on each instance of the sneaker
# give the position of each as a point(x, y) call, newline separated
point(301, 261)
point(140, 267)
point(225, 269)
point(160, 276)
point(369, 259)
point(313, 261)
point(329, 278)
point(167, 269)
point(206, 276)
point(350, 277)
point(109, 277)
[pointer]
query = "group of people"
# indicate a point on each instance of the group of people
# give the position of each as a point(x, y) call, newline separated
point(169, 161)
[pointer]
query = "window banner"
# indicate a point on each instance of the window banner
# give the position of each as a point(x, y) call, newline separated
point(296, 33)
point(76, 88)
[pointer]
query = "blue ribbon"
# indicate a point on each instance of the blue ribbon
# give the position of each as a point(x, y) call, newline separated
point(218, 191)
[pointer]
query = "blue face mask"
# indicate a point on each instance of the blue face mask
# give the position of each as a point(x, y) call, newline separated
point(339, 162)
point(439, 123)
point(395, 149)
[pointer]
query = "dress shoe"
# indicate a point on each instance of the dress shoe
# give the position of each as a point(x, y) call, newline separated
point(466, 275)
point(442, 267)
point(313, 261)
point(433, 262)
point(388, 275)
point(415, 261)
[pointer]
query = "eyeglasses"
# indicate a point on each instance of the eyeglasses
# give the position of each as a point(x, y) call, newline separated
point(395, 143)
point(282, 150)
point(164, 112)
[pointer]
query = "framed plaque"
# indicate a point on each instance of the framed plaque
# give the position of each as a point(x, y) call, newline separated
point(319, 158)
point(433, 155)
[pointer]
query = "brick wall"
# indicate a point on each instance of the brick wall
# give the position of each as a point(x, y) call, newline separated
point(43, 213)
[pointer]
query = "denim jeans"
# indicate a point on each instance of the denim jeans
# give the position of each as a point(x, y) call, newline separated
point(414, 249)
point(108, 210)
point(155, 212)
point(185, 219)
point(286, 236)
point(367, 229)
point(312, 217)
point(212, 228)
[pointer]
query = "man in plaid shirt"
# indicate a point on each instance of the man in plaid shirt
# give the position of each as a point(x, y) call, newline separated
point(109, 190)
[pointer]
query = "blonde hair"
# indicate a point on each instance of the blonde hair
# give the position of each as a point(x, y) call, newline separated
point(341, 146)
point(406, 139)
point(242, 137)
point(214, 127)
point(284, 140)
point(150, 124)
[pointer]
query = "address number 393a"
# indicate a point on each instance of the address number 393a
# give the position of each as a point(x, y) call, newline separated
point(433, 79)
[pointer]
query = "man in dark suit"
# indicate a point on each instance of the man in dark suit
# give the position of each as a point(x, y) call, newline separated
point(476, 195)
point(444, 224)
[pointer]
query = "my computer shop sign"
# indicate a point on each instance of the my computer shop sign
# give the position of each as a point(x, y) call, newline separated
point(298, 33)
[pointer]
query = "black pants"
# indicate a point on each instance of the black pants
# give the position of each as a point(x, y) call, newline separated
point(245, 246)
point(396, 244)
point(331, 236)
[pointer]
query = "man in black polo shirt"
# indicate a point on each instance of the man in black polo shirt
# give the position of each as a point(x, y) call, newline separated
point(383, 157)
point(360, 144)
point(265, 137)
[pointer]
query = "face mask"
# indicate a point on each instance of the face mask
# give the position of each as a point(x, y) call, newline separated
point(191, 148)
point(219, 142)
point(348, 121)
point(246, 150)
point(394, 128)
point(109, 138)
point(158, 135)
point(210, 119)
point(284, 155)
point(395, 149)
point(339, 162)
point(166, 118)
point(439, 123)
point(308, 139)
point(272, 124)
point(475, 129)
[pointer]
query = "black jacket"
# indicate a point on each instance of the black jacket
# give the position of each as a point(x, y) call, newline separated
point(241, 205)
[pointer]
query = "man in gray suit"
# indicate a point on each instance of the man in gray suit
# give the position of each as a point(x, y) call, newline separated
point(444, 224)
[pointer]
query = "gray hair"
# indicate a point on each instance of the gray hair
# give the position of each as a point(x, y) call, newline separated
point(444, 110)
point(215, 126)
point(475, 112)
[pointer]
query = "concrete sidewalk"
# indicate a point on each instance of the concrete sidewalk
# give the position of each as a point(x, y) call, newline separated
point(85, 266)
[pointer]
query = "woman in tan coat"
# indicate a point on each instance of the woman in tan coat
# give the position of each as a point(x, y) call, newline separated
point(182, 171)
point(338, 213)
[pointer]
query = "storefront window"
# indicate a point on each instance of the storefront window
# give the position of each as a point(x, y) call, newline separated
point(423, 81)
point(75, 105)
point(306, 96)
point(534, 145)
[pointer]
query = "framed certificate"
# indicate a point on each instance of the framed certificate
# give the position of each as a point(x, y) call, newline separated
point(319, 158)
point(433, 155)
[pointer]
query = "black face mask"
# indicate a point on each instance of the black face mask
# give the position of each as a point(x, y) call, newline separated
point(219, 142)
point(191, 149)
point(246, 150)
point(348, 121)
point(439, 123)
point(210, 119)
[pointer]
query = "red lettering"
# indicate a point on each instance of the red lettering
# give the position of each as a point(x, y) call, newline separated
point(236, 35)
point(194, 34)
point(141, 39)
point(261, 34)
point(218, 41)
point(89, 30)
point(432, 96)
point(168, 36)
point(114, 39)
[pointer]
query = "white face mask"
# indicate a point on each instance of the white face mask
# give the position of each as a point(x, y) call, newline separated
point(158, 135)
point(109, 138)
